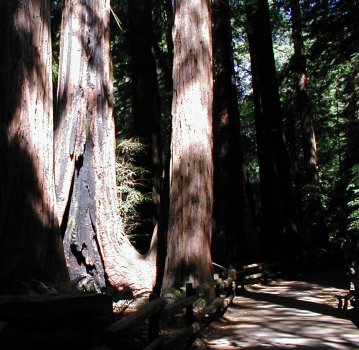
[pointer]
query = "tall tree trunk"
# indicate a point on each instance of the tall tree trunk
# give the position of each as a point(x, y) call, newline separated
point(229, 194)
point(303, 100)
point(30, 240)
point(279, 231)
point(146, 104)
point(313, 214)
point(147, 122)
point(191, 167)
point(85, 156)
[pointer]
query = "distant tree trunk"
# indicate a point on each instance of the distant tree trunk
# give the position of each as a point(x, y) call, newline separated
point(85, 157)
point(313, 215)
point(146, 104)
point(229, 194)
point(30, 240)
point(279, 231)
point(191, 167)
point(164, 59)
point(147, 121)
point(303, 100)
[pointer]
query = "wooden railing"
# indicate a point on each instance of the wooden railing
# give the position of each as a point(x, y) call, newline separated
point(227, 283)
point(157, 312)
point(247, 274)
point(86, 320)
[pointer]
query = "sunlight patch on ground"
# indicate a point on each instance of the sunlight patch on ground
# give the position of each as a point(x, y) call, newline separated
point(283, 315)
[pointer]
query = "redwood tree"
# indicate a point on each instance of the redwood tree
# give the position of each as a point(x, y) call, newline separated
point(30, 241)
point(303, 100)
point(85, 157)
point(146, 104)
point(147, 124)
point(191, 165)
point(279, 232)
point(229, 170)
point(312, 214)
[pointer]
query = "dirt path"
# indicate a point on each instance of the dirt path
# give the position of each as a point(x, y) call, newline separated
point(298, 314)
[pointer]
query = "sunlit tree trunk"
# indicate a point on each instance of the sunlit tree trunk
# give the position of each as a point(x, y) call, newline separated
point(30, 241)
point(229, 194)
point(85, 156)
point(191, 166)
point(279, 233)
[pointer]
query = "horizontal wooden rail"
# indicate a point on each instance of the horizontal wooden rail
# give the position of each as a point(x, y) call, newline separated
point(64, 312)
point(157, 311)
point(220, 266)
point(114, 331)
point(214, 308)
point(253, 273)
point(172, 309)
point(181, 337)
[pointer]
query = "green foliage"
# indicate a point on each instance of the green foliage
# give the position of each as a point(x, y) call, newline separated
point(36, 287)
point(56, 10)
point(353, 204)
point(177, 294)
point(121, 58)
point(130, 182)
point(281, 33)
point(330, 40)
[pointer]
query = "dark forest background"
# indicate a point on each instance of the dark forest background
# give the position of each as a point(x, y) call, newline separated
point(320, 41)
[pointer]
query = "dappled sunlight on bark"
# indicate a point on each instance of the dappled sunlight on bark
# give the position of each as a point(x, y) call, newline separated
point(85, 157)
point(191, 166)
point(29, 234)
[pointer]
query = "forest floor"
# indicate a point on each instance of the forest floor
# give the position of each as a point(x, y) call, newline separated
point(300, 313)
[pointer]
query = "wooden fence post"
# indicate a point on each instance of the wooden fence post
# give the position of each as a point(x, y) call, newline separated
point(153, 322)
point(189, 308)
point(232, 274)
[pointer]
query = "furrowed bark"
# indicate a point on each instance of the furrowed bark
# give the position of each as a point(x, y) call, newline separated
point(191, 187)
point(30, 241)
point(85, 157)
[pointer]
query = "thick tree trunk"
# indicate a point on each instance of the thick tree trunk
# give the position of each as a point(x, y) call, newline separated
point(229, 191)
point(30, 241)
point(279, 232)
point(85, 156)
point(191, 167)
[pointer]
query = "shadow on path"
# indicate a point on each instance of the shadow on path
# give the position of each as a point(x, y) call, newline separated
point(284, 315)
point(289, 302)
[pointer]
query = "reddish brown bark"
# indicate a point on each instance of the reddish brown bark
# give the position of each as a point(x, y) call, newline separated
point(30, 241)
point(191, 174)
point(85, 155)
point(229, 170)
point(303, 99)
point(279, 231)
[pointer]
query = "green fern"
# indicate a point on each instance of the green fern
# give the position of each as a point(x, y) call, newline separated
point(130, 182)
